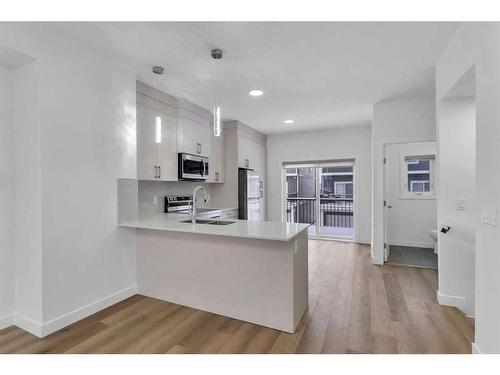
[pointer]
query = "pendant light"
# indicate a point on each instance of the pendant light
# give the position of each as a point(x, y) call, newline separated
point(216, 54)
point(158, 70)
point(157, 124)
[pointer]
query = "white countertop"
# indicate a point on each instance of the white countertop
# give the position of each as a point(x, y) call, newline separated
point(264, 230)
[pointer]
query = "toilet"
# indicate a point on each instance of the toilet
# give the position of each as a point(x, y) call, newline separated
point(434, 235)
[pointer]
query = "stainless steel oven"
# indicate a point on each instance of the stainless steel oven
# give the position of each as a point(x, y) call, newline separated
point(193, 167)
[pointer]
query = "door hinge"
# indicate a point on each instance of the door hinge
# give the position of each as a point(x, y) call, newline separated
point(385, 203)
point(385, 246)
point(385, 161)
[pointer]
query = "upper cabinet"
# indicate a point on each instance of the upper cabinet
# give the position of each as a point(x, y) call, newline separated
point(193, 136)
point(156, 139)
point(194, 133)
point(167, 126)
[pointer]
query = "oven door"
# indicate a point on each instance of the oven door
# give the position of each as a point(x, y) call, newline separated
point(191, 167)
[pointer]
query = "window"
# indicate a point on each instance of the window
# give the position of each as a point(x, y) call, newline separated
point(418, 180)
point(343, 189)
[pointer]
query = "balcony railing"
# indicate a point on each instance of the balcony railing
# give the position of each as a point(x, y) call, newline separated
point(301, 210)
point(334, 212)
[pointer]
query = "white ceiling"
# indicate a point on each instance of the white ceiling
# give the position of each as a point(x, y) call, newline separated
point(12, 60)
point(319, 74)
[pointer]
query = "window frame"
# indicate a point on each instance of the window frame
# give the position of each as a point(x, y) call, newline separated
point(335, 183)
point(404, 188)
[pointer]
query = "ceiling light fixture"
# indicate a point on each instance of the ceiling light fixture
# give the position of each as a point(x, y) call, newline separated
point(216, 54)
point(158, 69)
point(256, 92)
point(289, 121)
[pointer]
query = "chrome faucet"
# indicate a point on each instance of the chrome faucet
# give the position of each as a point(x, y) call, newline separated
point(193, 209)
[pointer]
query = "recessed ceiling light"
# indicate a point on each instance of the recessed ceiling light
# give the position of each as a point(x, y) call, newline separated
point(289, 121)
point(256, 92)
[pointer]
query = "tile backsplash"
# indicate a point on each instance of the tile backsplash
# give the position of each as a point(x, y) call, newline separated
point(128, 190)
point(147, 190)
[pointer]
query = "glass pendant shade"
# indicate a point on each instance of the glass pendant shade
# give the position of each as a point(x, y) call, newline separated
point(217, 127)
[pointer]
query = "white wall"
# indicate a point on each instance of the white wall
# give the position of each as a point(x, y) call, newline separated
point(6, 197)
point(478, 44)
point(410, 218)
point(335, 144)
point(457, 171)
point(28, 195)
point(395, 122)
point(86, 140)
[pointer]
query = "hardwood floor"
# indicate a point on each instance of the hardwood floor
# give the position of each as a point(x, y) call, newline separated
point(354, 307)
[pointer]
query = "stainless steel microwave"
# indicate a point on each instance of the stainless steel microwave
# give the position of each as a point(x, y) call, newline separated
point(193, 167)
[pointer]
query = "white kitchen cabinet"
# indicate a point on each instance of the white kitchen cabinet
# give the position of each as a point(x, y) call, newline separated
point(216, 164)
point(156, 161)
point(146, 148)
point(245, 152)
point(167, 149)
point(194, 134)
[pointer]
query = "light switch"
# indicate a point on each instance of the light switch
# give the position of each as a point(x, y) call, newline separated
point(489, 215)
point(460, 203)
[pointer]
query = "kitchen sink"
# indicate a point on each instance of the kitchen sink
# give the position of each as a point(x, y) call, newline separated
point(211, 222)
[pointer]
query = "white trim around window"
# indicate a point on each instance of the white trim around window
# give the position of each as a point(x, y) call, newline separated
point(406, 193)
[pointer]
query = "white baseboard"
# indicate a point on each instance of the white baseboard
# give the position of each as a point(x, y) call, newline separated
point(42, 330)
point(82, 312)
point(475, 349)
point(35, 328)
point(425, 245)
point(363, 242)
point(456, 301)
point(6, 321)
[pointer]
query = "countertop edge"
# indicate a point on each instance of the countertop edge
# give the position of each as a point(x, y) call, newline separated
point(133, 225)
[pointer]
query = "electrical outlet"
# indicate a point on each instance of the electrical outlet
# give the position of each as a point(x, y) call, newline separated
point(460, 203)
point(489, 215)
point(155, 199)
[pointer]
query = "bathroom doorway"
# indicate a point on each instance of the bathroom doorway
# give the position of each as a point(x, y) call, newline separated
point(410, 210)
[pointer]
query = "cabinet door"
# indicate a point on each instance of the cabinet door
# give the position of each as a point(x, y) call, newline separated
point(203, 137)
point(146, 147)
point(167, 148)
point(245, 152)
point(188, 141)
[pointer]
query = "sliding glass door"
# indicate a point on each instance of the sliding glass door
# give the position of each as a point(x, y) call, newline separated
point(301, 199)
point(321, 194)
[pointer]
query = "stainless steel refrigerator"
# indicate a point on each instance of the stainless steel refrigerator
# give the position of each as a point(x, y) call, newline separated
point(250, 194)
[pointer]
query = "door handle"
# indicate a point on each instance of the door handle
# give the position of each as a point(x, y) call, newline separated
point(389, 206)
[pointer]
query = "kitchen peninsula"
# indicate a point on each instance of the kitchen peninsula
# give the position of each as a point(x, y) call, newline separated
point(254, 271)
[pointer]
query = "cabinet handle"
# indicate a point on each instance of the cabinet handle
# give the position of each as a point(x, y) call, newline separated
point(247, 163)
point(200, 148)
point(159, 172)
point(156, 171)
point(216, 176)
